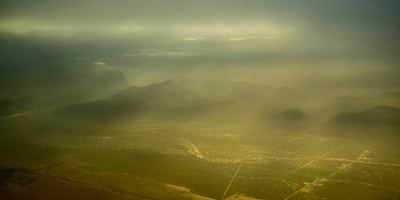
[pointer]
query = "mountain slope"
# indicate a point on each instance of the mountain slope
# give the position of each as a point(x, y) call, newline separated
point(168, 94)
point(105, 110)
point(62, 89)
point(383, 111)
point(209, 112)
point(289, 120)
point(379, 120)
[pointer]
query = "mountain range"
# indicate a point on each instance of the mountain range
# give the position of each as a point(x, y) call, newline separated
point(101, 97)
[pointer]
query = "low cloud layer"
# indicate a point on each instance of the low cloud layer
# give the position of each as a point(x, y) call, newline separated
point(312, 45)
point(329, 27)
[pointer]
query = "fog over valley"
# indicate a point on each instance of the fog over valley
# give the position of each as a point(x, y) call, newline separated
point(199, 99)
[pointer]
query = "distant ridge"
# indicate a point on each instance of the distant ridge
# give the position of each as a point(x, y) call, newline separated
point(378, 120)
point(383, 111)
point(168, 94)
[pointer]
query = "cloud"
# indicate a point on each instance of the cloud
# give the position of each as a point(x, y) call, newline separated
point(224, 30)
point(152, 54)
point(193, 38)
point(99, 63)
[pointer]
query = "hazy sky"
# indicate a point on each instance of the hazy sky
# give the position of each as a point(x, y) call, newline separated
point(217, 33)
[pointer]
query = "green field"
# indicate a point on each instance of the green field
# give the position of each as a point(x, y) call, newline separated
point(157, 162)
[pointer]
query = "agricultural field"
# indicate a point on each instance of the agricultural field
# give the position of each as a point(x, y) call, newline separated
point(169, 162)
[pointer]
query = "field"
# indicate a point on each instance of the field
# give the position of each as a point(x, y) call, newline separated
point(156, 162)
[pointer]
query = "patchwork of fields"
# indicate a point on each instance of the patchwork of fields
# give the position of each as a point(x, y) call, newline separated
point(196, 163)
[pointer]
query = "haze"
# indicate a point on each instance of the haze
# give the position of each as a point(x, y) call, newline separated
point(199, 99)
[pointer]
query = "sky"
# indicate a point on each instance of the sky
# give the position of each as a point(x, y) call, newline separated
point(185, 36)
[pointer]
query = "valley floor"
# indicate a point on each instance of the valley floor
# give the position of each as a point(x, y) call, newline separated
point(157, 162)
